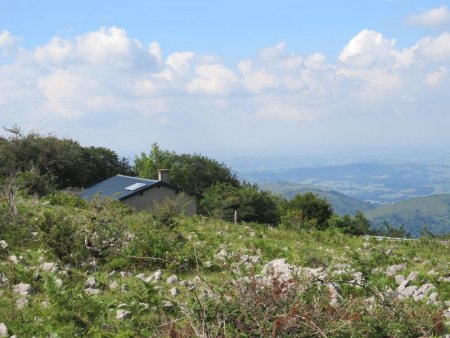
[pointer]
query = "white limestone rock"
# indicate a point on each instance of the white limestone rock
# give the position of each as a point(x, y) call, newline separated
point(174, 292)
point(49, 267)
point(172, 279)
point(91, 282)
point(92, 291)
point(3, 330)
point(122, 314)
point(21, 303)
point(22, 289)
point(413, 275)
point(113, 285)
point(3, 245)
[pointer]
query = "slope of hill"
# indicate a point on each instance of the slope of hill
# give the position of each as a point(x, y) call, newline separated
point(342, 204)
point(202, 277)
point(432, 211)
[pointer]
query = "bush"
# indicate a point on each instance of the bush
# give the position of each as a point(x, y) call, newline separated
point(307, 210)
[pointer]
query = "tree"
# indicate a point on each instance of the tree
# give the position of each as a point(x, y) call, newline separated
point(252, 204)
point(63, 162)
point(357, 225)
point(311, 209)
point(191, 172)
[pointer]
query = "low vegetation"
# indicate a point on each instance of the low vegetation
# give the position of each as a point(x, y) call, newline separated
point(70, 267)
point(75, 268)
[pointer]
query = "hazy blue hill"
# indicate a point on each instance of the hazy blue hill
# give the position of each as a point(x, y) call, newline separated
point(342, 204)
point(433, 211)
point(371, 181)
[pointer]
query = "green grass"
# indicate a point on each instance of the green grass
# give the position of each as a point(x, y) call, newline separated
point(196, 241)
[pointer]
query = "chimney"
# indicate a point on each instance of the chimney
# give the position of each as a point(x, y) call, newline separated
point(164, 175)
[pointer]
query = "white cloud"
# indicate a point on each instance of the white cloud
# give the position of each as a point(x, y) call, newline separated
point(366, 49)
point(7, 42)
point(436, 78)
point(109, 80)
point(212, 79)
point(431, 18)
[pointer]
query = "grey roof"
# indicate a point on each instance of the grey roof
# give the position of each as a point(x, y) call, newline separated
point(114, 187)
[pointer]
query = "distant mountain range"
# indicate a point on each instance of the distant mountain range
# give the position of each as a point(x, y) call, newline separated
point(342, 204)
point(432, 211)
point(371, 182)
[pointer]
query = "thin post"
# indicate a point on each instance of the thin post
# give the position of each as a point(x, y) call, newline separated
point(235, 217)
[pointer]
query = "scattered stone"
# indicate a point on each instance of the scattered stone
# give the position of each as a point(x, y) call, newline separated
point(3, 330)
point(144, 305)
point(45, 304)
point(334, 291)
point(399, 279)
point(413, 275)
point(444, 279)
point(34, 234)
point(21, 303)
point(92, 291)
point(392, 270)
point(423, 291)
point(280, 270)
point(91, 282)
point(3, 245)
point(172, 279)
point(447, 303)
point(167, 303)
point(14, 259)
point(124, 288)
point(3, 279)
point(402, 286)
point(174, 292)
point(432, 299)
point(221, 255)
point(22, 289)
point(113, 285)
point(122, 314)
point(407, 292)
point(157, 275)
point(388, 252)
point(141, 276)
point(49, 267)
point(446, 314)
point(58, 283)
point(432, 272)
point(207, 264)
point(122, 305)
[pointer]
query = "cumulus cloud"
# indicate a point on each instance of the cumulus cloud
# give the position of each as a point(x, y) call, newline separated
point(105, 77)
point(7, 42)
point(434, 17)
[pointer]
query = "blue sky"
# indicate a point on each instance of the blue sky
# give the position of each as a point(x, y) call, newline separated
point(258, 78)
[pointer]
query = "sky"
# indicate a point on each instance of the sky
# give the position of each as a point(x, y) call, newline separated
point(329, 79)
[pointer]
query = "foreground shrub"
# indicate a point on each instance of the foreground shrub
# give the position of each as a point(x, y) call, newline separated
point(298, 308)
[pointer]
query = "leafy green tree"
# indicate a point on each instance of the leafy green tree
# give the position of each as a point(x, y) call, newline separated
point(252, 204)
point(62, 162)
point(357, 225)
point(312, 209)
point(194, 173)
point(388, 230)
point(103, 163)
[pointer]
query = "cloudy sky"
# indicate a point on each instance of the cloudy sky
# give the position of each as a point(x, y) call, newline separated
point(254, 78)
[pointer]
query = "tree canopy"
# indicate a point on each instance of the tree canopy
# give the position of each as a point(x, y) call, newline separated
point(63, 161)
point(191, 172)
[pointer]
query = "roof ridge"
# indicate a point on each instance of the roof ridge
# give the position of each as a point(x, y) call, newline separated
point(138, 178)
